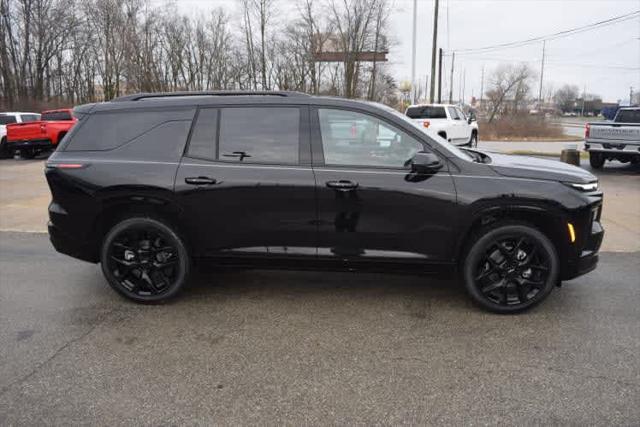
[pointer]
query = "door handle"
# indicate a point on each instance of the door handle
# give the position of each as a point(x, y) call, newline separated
point(200, 180)
point(342, 185)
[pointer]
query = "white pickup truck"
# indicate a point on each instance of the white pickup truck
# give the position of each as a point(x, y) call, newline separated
point(447, 121)
point(618, 139)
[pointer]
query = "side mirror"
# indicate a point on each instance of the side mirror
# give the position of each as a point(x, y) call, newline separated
point(425, 163)
point(470, 120)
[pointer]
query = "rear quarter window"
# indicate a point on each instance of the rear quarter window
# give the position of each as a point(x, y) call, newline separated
point(110, 130)
point(628, 116)
point(5, 119)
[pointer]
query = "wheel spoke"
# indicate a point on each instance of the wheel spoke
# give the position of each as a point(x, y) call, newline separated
point(493, 286)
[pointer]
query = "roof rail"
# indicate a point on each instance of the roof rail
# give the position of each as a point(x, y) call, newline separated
point(139, 96)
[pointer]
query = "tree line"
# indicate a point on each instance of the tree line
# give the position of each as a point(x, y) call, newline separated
point(66, 52)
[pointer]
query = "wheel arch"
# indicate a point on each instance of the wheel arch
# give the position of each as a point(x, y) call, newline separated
point(550, 220)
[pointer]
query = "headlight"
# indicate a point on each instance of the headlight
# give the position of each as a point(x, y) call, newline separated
point(592, 186)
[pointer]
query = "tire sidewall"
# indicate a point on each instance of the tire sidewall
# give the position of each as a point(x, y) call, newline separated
point(596, 160)
point(477, 250)
point(183, 254)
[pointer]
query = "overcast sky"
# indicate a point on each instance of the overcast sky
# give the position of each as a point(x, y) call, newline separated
point(605, 61)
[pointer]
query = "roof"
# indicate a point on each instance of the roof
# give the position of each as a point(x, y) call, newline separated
point(432, 105)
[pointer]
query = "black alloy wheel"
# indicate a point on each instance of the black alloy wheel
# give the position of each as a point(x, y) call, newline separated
point(511, 268)
point(144, 260)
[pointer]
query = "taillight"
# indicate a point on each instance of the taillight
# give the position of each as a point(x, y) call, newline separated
point(587, 129)
point(426, 123)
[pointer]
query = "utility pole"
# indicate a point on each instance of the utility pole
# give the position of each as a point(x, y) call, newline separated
point(413, 54)
point(544, 42)
point(453, 60)
point(433, 52)
point(464, 84)
point(630, 96)
point(440, 76)
point(481, 86)
point(584, 96)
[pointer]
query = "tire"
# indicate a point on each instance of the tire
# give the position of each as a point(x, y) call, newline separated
point(473, 142)
point(27, 154)
point(5, 152)
point(510, 268)
point(145, 260)
point(596, 160)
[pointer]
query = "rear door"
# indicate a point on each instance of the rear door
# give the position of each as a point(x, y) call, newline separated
point(370, 206)
point(246, 185)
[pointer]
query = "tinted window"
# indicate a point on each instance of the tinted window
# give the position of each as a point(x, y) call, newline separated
point(260, 135)
point(426, 112)
point(56, 115)
point(29, 117)
point(628, 116)
point(355, 139)
point(203, 139)
point(5, 120)
point(453, 113)
point(106, 131)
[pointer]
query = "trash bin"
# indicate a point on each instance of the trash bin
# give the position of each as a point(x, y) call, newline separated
point(570, 154)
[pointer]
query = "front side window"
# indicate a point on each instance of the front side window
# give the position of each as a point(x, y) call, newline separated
point(453, 113)
point(260, 135)
point(461, 114)
point(356, 139)
point(30, 117)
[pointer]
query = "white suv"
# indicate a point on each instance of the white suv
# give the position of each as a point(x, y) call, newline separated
point(447, 121)
point(7, 118)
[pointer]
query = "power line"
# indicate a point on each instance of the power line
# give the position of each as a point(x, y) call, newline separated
point(559, 34)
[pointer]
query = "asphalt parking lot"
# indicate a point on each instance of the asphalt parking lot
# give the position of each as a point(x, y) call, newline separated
point(256, 347)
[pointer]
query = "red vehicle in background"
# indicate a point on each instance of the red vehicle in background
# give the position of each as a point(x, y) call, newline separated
point(44, 135)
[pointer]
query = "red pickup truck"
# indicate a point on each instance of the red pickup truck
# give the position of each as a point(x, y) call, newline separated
point(34, 137)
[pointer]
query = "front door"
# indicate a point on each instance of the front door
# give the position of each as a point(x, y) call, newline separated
point(370, 206)
point(246, 186)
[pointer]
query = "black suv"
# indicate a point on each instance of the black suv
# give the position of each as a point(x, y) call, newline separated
point(150, 184)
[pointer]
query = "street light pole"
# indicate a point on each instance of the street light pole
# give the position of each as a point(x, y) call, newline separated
point(433, 52)
point(453, 60)
point(544, 42)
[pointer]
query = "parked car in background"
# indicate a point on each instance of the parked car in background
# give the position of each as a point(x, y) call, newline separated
point(8, 118)
point(618, 139)
point(146, 184)
point(447, 121)
point(45, 134)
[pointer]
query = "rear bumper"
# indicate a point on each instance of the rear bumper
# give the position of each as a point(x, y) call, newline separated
point(67, 245)
point(34, 143)
point(613, 147)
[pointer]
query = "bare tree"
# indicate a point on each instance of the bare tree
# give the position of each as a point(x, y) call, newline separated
point(566, 96)
point(508, 83)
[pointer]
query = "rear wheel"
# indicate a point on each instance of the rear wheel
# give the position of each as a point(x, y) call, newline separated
point(5, 152)
point(27, 153)
point(473, 142)
point(145, 260)
point(510, 268)
point(596, 160)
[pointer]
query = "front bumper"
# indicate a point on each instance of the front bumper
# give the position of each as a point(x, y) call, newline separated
point(588, 259)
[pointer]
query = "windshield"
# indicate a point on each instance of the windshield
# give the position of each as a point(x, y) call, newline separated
point(435, 139)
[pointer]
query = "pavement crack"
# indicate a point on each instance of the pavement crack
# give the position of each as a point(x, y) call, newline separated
point(58, 351)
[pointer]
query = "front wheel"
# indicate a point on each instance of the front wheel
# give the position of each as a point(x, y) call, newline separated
point(145, 260)
point(596, 160)
point(5, 152)
point(473, 142)
point(28, 153)
point(510, 268)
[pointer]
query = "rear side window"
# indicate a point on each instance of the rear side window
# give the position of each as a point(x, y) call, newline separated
point(106, 131)
point(628, 116)
point(260, 135)
point(56, 115)
point(204, 136)
point(5, 120)
point(426, 112)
